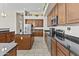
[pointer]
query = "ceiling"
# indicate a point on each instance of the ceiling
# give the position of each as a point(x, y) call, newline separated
point(31, 7)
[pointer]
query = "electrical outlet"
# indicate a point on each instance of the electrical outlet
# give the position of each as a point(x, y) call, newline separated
point(68, 28)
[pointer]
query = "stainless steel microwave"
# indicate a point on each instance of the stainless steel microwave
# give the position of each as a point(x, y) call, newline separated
point(54, 21)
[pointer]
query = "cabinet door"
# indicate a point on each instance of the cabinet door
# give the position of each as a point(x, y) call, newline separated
point(49, 21)
point(54, 47)
point(61, 13)
point(40, 23)
point(72, 12)
point(10, 36)
point(36, 23)
point(3, 38)
point(24, 42)
point(30, 21)
point(19, 41)
point(56, 10)
point(64, 51)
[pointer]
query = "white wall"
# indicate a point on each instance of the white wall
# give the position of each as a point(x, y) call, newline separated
point(74, 29)
point(9, 21)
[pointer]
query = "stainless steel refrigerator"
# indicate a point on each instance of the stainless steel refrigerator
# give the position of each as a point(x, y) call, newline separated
point(27, 29)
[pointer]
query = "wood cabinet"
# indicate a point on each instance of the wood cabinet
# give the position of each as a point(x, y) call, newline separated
point(29, 21)
point(24, 42)
point(6, 37)
point(2, 38)
point(35, 22)
point(54, 46)
point(38, 23)
point(12, 52)
point(38, 32)
point(62, 51)
point(61, 13)
point(10, 36)
point(56, 10)
point(51, 14)
point(58, 49)
point(72, 12)
point(49, 21)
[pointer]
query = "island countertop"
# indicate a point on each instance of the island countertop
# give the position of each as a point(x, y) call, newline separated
point(6, 47)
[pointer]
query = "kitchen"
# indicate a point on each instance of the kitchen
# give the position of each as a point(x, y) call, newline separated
point(50, 31)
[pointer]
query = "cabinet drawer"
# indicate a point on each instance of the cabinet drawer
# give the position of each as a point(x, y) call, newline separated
point(63, 49)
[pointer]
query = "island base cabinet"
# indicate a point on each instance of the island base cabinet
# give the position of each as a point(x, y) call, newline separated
point(24, 42)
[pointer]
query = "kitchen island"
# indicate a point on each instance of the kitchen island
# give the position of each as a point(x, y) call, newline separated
point(8, 49)
point(24, 41)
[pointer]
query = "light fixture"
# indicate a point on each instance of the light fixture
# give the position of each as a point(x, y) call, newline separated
point(3, 14)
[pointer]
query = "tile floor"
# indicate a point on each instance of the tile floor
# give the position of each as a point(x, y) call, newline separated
point(39, 48)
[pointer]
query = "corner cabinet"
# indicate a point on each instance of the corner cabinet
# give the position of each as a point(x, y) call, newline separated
point(61, 13)
point(72, 12)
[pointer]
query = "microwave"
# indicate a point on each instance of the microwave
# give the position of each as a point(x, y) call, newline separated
point(54, 21)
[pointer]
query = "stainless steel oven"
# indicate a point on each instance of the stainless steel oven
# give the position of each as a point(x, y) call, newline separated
point(60, 34)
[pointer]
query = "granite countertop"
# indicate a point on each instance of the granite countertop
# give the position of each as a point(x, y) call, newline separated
point(72, 41)
point(6, 47)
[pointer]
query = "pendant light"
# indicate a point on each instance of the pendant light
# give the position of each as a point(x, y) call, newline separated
point(3, 14)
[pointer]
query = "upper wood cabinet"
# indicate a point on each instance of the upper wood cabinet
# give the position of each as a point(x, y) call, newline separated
point(35, 23)
point(56, 10)
point(61, 13)
point(30, 21)
point(72, 12)
point(51, 14)
point(39, 23)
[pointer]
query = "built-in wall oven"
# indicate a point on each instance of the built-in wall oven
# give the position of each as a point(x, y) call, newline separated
point(60, 34)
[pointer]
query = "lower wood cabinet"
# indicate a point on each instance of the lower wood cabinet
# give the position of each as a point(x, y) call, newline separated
point(58, 49)
point(2, 38)
point(62, 51)
point(25, 41)
point(38, 33)
point(10, 36)
point(6, 37)
point(54, 50)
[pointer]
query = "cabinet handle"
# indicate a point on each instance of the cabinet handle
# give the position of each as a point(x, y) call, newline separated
point(21, 38)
